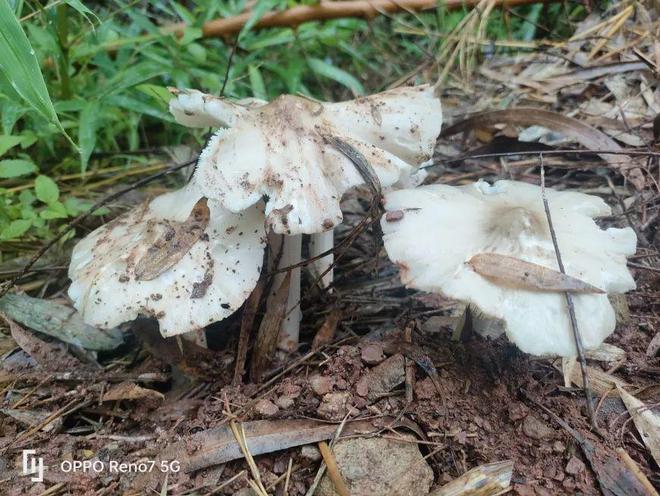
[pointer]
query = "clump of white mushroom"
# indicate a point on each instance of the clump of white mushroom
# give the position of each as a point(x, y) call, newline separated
point(192, 257)
point(180, 258)
point(281, 152)
point(441, 236)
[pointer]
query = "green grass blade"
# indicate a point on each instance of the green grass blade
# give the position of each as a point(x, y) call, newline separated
point(335, 73)
point(19, 65)
point(87, 126)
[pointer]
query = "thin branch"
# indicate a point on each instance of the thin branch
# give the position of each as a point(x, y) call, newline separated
point(323, 11)
point(571, 307)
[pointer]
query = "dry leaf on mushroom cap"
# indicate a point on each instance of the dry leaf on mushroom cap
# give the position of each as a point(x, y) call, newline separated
point(432, 231)
point(179, 258)
point(278, 151)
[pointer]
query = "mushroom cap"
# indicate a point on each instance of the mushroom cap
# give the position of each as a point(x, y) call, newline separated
point(278, 151)
point(432, 231)
point(207, 283)
point(193, 108)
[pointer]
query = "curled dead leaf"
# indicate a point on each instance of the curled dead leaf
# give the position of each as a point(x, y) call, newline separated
point(587, 136)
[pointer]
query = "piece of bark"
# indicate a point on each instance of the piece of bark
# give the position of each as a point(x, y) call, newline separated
point(51, 356)
point(269, 330)
point(58, 321)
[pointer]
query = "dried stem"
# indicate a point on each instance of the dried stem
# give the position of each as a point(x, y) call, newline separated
point(571, 307)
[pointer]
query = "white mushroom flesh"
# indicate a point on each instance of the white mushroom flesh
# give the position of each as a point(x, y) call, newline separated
point(193, 108)
point(209, 282)
point(432, 231)
point(278, 151)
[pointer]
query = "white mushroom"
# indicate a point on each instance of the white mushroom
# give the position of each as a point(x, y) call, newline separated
point(180, 258)
point(193, 108)
point(432, 231)
point(279, 152)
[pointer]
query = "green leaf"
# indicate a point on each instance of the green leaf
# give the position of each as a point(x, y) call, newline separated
point(55, 210)
point(7, 142)
point(257, 13)
point(20, 68)
point(198, 52)
point(46, 189)
point(16, 168)
point(257, 82)
point(82, 9)
point(336, 74)
point(15, 228)
point(89, 117)
point(160, 93)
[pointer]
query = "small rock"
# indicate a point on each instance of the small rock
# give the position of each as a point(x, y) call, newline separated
point(321, 384)
point(425, 389)
point(383, 378)
point(372, 466)
point(311, 453)
point(372, 353)
point(574, 466)
point(517, 411)
point(523, 490)
point(536, 429)
point(284, 402)
point(266, 408)
point(558, 447)
point(334, 406)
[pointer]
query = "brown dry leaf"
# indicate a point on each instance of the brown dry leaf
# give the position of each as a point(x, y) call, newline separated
point(485, 480)
point(269, 330)
point(646, 421)
point(326, 332)
point(51, 356)
point(171, 245)
point(131, 391)
point(589, 137)
point(526, 275)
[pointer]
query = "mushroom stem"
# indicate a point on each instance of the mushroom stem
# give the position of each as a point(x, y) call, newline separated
point(319, 243)
point(291, 255)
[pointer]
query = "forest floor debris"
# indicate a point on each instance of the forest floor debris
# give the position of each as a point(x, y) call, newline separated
point(477, 405)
